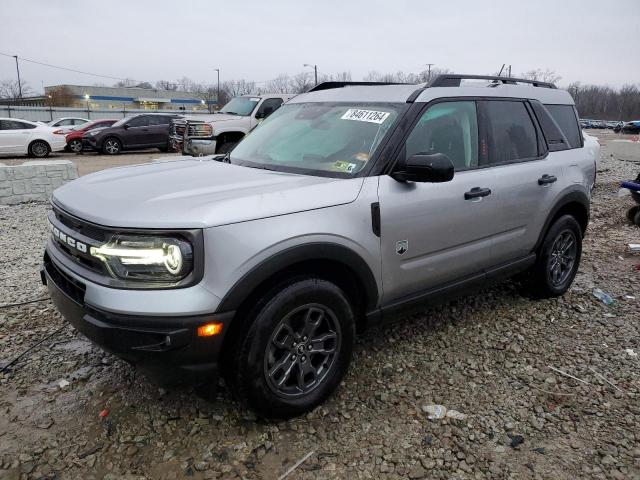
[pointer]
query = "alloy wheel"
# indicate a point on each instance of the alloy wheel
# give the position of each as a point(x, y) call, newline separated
point(39, 149)
point(112, 146)
point(302, 350)
point(562, 258)
point(75, 146)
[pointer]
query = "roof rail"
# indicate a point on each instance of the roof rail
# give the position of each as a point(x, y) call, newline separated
point(454, 80)
point(329, 85)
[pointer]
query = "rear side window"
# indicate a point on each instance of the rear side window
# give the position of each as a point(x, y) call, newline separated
point(565, 117)
point(556, 139)
point(511, 133)
point(158, 120)
point(15, 125)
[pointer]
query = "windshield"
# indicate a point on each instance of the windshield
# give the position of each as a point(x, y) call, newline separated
point(240, 106)
point(306, 137)
point(122, 122)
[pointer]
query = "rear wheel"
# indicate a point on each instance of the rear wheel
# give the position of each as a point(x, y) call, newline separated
point(111, 146)
point(39, 149)
point(558, 259)
point(296, 350)
point(75, 145)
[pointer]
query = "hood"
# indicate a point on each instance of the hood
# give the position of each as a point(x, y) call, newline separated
point(196, 194)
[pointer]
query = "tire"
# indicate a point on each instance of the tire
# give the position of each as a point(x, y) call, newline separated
point(277, 367)
point(632, 213)
point(111, 146)
point(75, 145)
point(39, 149)
point(226, 147)
point(558, 259)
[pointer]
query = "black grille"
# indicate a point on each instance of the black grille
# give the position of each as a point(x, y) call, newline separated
point(73, 288)
point(80, 226)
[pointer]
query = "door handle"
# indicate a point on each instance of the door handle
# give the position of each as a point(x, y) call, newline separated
point(546, 179)
point(477, 192)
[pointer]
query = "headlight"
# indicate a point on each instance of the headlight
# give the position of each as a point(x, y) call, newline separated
point(160, 259)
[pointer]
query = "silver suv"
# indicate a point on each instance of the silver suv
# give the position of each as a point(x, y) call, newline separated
point(349, 204)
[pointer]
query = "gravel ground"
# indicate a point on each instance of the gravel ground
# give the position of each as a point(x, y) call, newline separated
point(494, 356)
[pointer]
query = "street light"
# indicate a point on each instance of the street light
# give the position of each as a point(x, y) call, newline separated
point(315, 71)
point(86, 97)
point(218, 92)
point(50, 99)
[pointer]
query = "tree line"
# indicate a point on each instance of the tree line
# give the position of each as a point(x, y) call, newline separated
point(592, 101)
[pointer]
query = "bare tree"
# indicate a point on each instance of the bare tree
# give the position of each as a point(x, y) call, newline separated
point(166, 85)
point(185, 84)
point(301, 82)
point(60, 97)
point(11, 90)
point(127, 82)
point(546, 75)
point(207, 93)
point(280, 84)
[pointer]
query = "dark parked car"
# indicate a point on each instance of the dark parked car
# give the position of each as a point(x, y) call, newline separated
point(148, 130)
point(630, 127)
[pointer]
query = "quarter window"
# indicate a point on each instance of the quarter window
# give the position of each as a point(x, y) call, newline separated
point(565, 117)
point(450, 128)
point(511, 132)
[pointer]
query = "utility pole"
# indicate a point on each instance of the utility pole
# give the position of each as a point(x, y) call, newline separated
point(18, 70)
point(218, 92)
point(315, 72)
point(429, 65)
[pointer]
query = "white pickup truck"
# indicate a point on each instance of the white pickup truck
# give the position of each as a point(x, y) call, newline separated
point(221, 131)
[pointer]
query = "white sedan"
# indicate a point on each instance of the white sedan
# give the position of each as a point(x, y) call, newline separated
point(67, 122)
point(29, 138)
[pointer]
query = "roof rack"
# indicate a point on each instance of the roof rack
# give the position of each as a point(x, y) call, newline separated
point(454, 80)
point(329, 85)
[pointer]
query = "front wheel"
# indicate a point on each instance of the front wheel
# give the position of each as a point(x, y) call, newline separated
point(75, 146)
point(558, 259)
point(111, 146)
point(297, 349)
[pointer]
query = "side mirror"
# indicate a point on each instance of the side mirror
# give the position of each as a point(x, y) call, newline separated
point(126, 126)
point(422, 167)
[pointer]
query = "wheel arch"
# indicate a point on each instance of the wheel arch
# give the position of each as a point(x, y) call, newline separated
point(332, 262)
point(575, 203)
point(234, 135)
point(38, 139)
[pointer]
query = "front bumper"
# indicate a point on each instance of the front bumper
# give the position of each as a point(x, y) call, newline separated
point(89, 143)
point(198, 147)
point(167, 349)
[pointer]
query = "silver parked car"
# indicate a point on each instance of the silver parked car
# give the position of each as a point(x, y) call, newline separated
point(347, 205)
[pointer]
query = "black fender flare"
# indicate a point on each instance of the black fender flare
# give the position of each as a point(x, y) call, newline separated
point(572, 196)
point(317, 251)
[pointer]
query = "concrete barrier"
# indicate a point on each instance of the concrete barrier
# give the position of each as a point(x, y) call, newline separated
point(33, 181)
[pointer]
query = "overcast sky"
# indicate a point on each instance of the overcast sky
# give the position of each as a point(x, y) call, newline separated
point(592, 41)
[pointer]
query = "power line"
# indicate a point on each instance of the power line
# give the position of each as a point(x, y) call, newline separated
point(66, 68)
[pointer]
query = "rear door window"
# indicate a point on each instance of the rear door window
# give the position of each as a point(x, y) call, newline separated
point(158, 120)
point(565, 117)
point(511, 132)
point(141, 121)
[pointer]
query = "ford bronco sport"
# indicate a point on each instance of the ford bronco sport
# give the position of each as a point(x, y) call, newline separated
point(347, 205)
point(220, 132)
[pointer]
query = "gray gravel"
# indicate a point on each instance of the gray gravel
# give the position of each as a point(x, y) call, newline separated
point(492, 356)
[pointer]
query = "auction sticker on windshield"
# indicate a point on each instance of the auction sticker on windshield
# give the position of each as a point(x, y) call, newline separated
point(359, 115)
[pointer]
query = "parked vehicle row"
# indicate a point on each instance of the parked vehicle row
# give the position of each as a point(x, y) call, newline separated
point(600, 124)
point(628, 127)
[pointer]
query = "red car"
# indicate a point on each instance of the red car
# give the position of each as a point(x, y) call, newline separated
point(74, 138)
